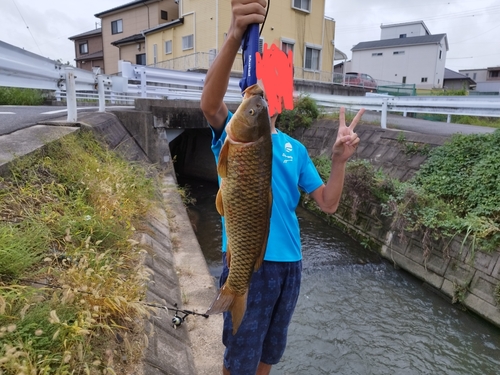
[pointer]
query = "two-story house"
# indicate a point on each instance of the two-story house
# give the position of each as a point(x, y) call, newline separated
point(123, 26)
point(487, 80)
point(187, 34)
point(88, 50)
point(194, 39)
point(405, 53)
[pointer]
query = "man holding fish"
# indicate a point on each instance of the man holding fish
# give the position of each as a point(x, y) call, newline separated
point(262, 171)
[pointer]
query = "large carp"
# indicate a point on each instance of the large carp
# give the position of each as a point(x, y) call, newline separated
point(244, 199)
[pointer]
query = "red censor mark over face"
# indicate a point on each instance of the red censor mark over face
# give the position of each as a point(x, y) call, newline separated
point(275, 70)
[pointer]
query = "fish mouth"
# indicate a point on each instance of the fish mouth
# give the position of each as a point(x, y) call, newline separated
point(254, 90)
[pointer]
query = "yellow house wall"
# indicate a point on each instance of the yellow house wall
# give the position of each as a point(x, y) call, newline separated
point(209, 20)
point(174, 34)
point(205, 13)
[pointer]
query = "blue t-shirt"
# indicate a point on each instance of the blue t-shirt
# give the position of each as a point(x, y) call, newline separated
point(292, 169)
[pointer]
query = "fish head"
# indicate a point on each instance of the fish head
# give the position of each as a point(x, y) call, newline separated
point(251, 120)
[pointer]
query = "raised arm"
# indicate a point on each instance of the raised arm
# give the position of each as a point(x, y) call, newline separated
point(244, 13)
point(328, 196)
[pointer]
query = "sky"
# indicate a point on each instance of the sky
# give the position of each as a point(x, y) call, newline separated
point(473, 27)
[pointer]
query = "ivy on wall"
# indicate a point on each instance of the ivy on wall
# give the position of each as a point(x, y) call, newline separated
point(456, 192)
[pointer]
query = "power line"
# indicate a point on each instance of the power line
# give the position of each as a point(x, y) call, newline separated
point(14, 1)
point(467, 13)
point(487, 31)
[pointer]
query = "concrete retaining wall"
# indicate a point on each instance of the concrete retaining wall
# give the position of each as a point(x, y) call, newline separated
point(457, 272)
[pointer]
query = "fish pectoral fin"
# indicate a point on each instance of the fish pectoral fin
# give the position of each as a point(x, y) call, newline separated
point(219, 204)
point(227, 300)
point(222, 163)
point(260, 259)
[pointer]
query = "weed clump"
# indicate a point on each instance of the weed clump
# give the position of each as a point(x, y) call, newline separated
point(71, 280)
point(455, 192)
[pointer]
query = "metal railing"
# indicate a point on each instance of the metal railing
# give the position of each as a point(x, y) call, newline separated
point(19, 68)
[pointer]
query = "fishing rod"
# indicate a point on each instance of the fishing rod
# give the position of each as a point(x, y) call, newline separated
point(177, 320)
point(250, 47)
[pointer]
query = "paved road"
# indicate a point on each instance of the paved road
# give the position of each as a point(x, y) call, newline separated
point(424, 126)
point(13, 118)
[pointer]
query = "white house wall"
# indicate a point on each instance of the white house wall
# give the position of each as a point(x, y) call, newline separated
point(478, 75)
point(488, 87)
point(416, 63)
point(393, 32)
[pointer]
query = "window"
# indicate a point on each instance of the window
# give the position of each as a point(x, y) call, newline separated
point(402, 35)
point(398, 53)
point(494, 74)
point(474, 76)
point(168, 47)
point(440, 55)
point(187, 42)
point(140, 59)
point(286, 47)
point(424, 79)
point(155, 53)
point(84, 48)
point(312, 58)
point(164, 15)
point(404, 80)
point(377, 54)
point(117, 27)
point(302, 5)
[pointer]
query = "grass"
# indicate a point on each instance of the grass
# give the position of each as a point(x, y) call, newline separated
point(72, 284)
point(20, 96)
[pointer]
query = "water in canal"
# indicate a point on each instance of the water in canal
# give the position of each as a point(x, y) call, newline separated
point(357, 314)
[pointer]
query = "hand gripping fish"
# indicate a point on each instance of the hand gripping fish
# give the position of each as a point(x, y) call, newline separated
point(244, 199)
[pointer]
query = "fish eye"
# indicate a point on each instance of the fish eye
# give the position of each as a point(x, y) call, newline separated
point(251, 111)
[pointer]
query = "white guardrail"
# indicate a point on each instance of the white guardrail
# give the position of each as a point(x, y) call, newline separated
point(19, 68)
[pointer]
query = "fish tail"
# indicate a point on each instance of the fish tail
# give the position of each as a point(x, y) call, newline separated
point(227, 300)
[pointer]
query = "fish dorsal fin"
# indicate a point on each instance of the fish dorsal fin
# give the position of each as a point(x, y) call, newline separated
point(260, 259)
point(219, 203)
point(222, 165)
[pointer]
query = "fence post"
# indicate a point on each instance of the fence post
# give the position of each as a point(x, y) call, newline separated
point(101, 92)
point(144, 87)
point(383, 120)
point(71, 94)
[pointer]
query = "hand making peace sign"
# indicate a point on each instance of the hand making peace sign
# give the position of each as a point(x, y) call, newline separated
point(347, 141)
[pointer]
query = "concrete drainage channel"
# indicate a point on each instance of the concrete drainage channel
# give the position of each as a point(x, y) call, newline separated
point(179, 274)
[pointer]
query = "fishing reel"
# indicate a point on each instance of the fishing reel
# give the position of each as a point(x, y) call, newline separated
point(177, 320)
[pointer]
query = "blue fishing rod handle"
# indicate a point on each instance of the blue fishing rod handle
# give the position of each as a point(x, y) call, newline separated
point(250, 46)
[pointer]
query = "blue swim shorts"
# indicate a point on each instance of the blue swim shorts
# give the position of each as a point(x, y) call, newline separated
point(261, 337)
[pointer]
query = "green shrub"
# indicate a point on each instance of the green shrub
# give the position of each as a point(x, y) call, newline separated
point(20, 96)
point(304, 112)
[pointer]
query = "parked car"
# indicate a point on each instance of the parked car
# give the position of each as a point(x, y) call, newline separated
point(360, 79)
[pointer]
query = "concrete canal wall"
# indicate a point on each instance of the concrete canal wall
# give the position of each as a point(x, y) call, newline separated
point(455, 270)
